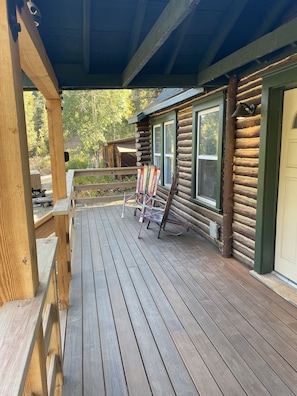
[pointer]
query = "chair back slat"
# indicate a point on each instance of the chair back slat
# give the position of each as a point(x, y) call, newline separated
point(146, 186)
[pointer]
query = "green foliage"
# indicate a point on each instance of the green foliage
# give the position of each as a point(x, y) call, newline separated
point(97, 116)
point(36, 123)
point(208, 133)
point(81, 180)
point(91, 118)
point(76, 164)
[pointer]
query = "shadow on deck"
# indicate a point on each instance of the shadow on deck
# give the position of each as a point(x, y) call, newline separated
point(170, 317)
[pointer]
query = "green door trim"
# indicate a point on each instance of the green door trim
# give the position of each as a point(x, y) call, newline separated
point(274, 85)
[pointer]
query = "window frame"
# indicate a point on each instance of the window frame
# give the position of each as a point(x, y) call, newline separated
point(201, 107)
point(162, 122)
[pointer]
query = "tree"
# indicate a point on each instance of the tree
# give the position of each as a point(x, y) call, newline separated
point(97, 116)
point(36, 123)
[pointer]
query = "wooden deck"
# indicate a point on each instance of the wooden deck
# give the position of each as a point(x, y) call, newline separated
point(170, 317)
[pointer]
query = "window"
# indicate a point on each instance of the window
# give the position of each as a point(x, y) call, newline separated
point(164, 150)
point(208, 151)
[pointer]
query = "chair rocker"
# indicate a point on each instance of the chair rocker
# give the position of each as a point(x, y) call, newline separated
point(146, 187)
point(157, 211)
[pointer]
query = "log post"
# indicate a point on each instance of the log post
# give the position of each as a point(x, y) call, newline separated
point(56, 145)
point(228, 169)
point(18, 257)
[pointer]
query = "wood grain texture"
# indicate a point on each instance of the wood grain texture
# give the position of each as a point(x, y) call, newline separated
point(20, 326)
point(171, 316)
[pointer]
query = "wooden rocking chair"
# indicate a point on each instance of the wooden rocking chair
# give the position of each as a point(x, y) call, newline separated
point(157, 211)
point(146, 188)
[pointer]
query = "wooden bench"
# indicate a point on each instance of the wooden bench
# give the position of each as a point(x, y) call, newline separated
point(20, 324)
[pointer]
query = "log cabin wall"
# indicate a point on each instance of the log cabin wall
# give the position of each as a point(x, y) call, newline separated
point(143, 141)
point(246, 162)
point(197, 216)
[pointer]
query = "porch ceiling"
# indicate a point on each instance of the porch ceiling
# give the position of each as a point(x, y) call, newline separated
point(162, 43)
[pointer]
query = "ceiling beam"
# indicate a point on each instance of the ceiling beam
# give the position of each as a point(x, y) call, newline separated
point(73, 77)
point(86, 34)
point(136, 30)
point(178, 46)
point(172, 16)
point(224, 30)
point(279, 38)
point(272, 16)
point(34, 60)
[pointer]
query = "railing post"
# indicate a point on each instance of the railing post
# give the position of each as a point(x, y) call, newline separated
point(36, 381)
point(56, 145)
point(18, 269)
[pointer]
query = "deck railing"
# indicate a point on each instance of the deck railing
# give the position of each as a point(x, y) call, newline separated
point(30, 334)
point(30, 339)
point(106, 191)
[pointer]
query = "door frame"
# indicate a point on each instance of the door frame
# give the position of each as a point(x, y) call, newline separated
point(274, 84)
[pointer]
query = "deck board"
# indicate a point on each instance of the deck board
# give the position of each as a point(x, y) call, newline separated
point(170, 317)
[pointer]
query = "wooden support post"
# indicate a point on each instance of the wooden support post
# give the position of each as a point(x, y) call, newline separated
point(36, 381)
point(18, 258)
point(228, 169)
point(56, 145)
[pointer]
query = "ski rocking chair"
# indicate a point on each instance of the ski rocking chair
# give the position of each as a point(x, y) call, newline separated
point(146, 188)
point(157, 211)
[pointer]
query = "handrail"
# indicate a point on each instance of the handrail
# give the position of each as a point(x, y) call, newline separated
point(20, 324)
point(118, 183)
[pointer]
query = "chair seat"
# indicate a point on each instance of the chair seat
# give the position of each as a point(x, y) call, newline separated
point(157, 211)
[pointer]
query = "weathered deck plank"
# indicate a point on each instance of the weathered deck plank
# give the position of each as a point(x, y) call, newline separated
point(170, 316)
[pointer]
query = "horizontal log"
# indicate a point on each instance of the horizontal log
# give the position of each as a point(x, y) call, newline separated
point(250, 243)
point(185, 132)
point(143, 158)
point(251, 94)
point(184, 177)
point(247, 153)
point(246, 171)
point(249, 162)
point(185, 144)
point(243, 221)
point(142, 139)
point(246, 181)
point(195, 210)
point(253, 131)
point(247, 201)
point(143, 133)
point(249, 122)
point(183, 162)
point(244, 250)
point(249, 82)
point(143, 153)
point(185, 185)
point(246, 211)
point(184, 190)
point(143, 149)
point(243, 143)
point(247, 191)
point(184, 150)
point(243, 230)
point(185, 113)
point(185, 123)
point(243, 259)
